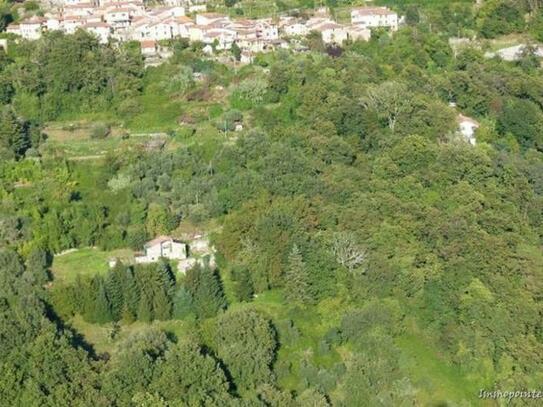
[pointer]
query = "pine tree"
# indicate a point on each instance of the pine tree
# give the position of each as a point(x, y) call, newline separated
point(206, 290)
point(297, 285)
point(14, 136)
point(145, 311)
point(37, 267)
point(114, 289)
point(182, 304)
point(162, 306)
point(161, 285)
point(131, 296)
point(84, 302)
point(244, 288)
point(166, 277)
point(101, 307)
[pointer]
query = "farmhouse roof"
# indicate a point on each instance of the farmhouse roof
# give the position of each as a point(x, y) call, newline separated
point(159, 239)
point(463, 119)
point(371, 11)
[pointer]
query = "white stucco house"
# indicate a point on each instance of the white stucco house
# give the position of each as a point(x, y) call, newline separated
point(101, 30)
point(32, 28)
point(467, 127)
point(209, 18)
point(162, 246)
point(333, 33)
point(357, 32)
point(373, 17)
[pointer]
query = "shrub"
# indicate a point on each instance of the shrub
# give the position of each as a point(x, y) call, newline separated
point(100, 131)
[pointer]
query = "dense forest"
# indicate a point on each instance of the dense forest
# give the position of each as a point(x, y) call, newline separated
point(366, 254)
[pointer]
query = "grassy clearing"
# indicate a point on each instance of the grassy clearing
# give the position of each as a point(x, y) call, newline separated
point(84, 262)
point(158, 113)
point(80, 147)
point(311, 325)
point(429, 371)
point(506, 41)
point(103, 338)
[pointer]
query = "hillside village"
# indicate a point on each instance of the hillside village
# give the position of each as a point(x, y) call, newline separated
point(132, 20)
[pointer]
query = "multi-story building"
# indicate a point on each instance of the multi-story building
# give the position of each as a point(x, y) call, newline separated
point(373, 17)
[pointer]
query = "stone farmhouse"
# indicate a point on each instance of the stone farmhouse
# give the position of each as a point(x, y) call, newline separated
point(197, 251)
point(162, 246)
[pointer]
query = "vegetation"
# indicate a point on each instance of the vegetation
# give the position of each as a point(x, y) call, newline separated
point(365, 253)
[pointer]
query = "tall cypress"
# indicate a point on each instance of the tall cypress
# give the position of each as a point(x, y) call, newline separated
point(206, 290)
point(131, 296)
point(166, 277)
point(161, 285)
point(182, 304)
point(244, 288)
point(162, 306)
point(114, 289)
point(14, 135)
point(101, 307)
point(297, 285)
point(145, 310)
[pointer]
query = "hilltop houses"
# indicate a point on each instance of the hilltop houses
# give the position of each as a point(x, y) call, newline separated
point(132, 20)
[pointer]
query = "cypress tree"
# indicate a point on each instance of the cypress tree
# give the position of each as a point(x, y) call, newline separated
point(37, 267)
point(162, 306)
point(182, 304)
point(297, 286)
point(102, 308)
point(244, 288)
point(161, 287)
point(83, 302)
point(114, 289)
point(206, 290)
point(145, 311)
point(166, 277)
point(14, 135)
point(131, 296)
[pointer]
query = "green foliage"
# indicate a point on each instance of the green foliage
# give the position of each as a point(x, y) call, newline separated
point(190, 376)
point(246, 343)
point(236, 50)
point(501, 17)
point(249, 93)
point(100, 311)
point(297, 284)
point(99, 131)
point(415, 255)
point(244, 287)
point(14, 135)
point(524, 120)
point(182, 304)
point(205, 288)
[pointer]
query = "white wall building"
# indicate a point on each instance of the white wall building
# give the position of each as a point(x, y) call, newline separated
point(209, 18)
point(32, 28)
point(163, 246)
point(373, 17)
point(357, 32)
point(333, 33)
point(467, 127)
point(102, 30)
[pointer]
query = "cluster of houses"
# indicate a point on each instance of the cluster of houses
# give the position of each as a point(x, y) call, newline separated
point(126, 20)
point(187, 255)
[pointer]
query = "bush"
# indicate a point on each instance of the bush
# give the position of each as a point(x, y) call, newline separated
point(100, 131)
point(229, 120)
point(129, 108)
